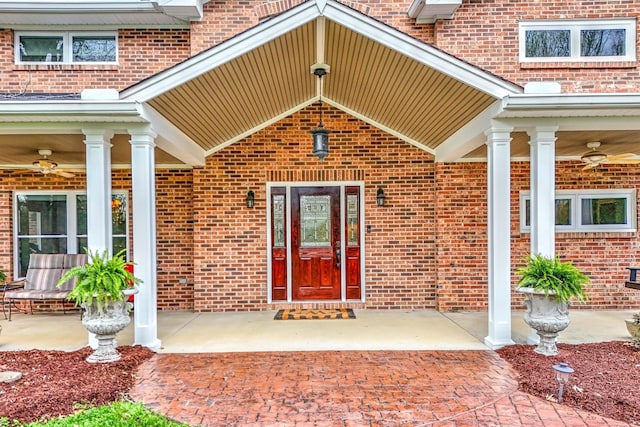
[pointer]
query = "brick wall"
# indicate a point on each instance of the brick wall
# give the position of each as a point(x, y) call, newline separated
point(482, 33)
point(230, 241)
point(141, 54)
point(485, 33)
point(174, 226)
point(462, 234)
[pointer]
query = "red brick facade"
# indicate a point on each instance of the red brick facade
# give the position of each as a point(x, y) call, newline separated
point(427, 247)
point(174, 225)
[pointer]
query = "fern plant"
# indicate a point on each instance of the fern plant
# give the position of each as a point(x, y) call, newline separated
point(101, 280)
point(551, 275)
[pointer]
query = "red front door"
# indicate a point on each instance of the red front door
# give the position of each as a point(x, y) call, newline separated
point(315, 243)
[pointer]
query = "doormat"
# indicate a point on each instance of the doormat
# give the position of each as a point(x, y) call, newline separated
point(313, 314)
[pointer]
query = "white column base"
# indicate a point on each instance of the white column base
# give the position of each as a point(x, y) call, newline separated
point(146, 337)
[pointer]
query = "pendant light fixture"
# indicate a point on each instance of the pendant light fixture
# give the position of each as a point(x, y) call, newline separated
point(320, 134)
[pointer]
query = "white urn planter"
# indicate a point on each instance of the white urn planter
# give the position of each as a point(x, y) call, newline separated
point(547, 316)
point(105, 322)
point(633, 326)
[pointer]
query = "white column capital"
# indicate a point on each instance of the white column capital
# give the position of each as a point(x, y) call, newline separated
point(542, 135)
point(142, 136)
point(498, 135)
point(98, 136)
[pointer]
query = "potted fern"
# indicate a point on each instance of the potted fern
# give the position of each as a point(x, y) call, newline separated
point(102, 288)
point(548, 285)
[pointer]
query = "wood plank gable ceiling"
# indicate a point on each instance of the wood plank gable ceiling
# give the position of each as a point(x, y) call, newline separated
point(379, 84)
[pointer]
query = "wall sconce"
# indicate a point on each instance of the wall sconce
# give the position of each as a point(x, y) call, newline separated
point(251, 199)
point(380, 197)
point(563, 372)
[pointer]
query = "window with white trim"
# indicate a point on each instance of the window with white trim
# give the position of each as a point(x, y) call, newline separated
point(56, 222)
point(578, 40)
point(587, 210)
point(66, 47)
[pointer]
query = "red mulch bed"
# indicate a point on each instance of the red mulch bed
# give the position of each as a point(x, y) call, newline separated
point(53, 381)
point(606, 380)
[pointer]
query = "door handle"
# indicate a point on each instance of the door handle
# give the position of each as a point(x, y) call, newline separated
point(338, 255)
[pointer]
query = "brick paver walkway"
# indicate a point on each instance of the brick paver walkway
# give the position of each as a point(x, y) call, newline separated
point(370, 388)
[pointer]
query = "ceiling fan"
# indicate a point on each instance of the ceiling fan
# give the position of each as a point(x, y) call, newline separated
point(594, 157)
point(46, 166)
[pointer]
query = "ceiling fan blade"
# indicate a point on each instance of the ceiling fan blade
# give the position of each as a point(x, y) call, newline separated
point(591, 166)
point(62, 173)
point(619, 157)
point(624, 162)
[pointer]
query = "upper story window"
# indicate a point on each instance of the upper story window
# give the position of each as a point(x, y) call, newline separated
point(65, 47)
point(588, 41)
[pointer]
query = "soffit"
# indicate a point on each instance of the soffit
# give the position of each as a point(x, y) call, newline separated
point(376, 83)
point(572, 143)
point(67, 149)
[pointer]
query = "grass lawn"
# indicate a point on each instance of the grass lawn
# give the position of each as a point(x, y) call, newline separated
point(117, 414)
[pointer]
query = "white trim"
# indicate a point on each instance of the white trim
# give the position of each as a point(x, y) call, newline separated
point(378, 125)
point(575, 197)
point(342, 185)
point(575, 26)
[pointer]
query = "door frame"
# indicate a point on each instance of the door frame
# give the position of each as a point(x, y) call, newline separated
point(342, 185)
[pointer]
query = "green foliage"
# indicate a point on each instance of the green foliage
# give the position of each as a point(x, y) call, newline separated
point(117, 414)
point(3, 276)
point(552, 275)
point(101, 280)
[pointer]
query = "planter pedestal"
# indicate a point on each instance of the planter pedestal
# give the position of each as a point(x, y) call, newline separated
point(547, 316)
point(105, 323)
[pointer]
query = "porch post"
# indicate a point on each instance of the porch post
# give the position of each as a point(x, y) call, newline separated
point(144, 236)
point(99, 222)
point(98, 159)
point(542, 145)
point(542, 165)
point(499, 236)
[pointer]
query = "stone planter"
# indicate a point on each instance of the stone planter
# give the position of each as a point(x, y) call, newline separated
point(105, 323)
point(634, 328)
point(547, 316)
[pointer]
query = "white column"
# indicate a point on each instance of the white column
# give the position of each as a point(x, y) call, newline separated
point(99, 226)
point(144, 236)
point(542, 164)
point(98, 159)
point(499, 236)
point(542, 145)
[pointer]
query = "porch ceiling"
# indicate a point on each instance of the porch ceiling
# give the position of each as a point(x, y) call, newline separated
point(380, 85)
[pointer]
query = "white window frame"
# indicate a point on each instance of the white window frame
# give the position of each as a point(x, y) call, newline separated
point(576, 197)
point(72, 222)
point(575, 26)
point(67, 39)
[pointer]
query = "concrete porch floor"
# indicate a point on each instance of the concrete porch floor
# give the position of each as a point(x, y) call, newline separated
point(188, 332)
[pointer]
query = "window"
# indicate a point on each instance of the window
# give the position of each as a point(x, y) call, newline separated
point(605, 40)
point(76, 48)
point(57, 223)
point(587, 210)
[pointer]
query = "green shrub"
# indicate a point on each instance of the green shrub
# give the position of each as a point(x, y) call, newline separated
point(553, 276)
